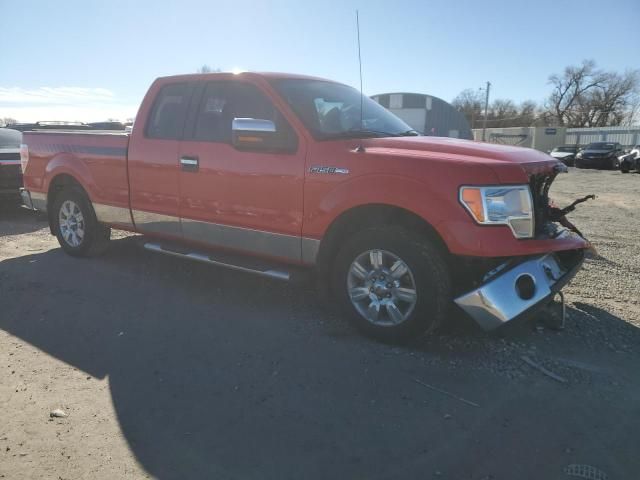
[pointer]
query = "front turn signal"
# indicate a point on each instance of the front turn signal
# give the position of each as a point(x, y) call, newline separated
point(472, 199)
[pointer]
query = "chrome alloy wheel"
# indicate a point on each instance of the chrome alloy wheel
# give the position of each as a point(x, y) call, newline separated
point(71, 223)
point(382, 288)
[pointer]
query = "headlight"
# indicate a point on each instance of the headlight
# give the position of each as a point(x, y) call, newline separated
point(579, 155)
point(501, 205)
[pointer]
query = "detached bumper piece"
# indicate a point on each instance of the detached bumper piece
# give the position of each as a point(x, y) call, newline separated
point(518, 290)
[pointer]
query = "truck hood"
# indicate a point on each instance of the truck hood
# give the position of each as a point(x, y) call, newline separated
point(509, 163)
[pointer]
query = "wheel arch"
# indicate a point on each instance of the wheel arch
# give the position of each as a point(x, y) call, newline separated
point(370, 215)
point(59, 182)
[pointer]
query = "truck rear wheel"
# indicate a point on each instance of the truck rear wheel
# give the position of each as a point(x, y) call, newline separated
point(75, 225)
point(393, 284)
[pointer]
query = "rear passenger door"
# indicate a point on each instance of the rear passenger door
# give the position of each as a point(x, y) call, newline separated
point(153, 161)
point(249, 201)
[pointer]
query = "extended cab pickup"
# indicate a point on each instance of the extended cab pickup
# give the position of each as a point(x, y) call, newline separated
point(267, 173)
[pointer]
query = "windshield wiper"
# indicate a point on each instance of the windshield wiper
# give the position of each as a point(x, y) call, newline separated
point(409, 133)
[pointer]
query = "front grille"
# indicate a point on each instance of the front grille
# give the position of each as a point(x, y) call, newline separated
point(10, 177)
point(9, 156)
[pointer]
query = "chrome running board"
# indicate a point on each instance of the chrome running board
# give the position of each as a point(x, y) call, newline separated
point(234, 262)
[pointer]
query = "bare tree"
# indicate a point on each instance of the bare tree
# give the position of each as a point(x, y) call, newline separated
point(207, 69)
point(469, 102)
point(506, 113)
point(572, 85)
point(528, 114)
point(501, 112)
point(584, 96)
point(633, 114)
point(8, 120)
point(610, 105)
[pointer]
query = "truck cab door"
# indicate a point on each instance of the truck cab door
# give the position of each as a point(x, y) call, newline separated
point(244, 199)
point(153, 160)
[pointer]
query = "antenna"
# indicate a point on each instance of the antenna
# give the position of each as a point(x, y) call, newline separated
point(360, 147)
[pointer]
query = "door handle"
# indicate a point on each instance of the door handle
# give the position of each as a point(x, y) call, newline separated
point(189, 164)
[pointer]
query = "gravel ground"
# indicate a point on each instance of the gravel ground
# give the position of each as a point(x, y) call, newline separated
point(168, 369)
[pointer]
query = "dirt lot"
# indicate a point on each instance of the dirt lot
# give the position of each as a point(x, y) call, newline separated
point(176, 370)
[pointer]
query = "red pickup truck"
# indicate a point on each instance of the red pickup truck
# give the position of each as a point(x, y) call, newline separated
point(267, 173)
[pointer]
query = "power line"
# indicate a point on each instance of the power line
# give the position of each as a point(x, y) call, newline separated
point(486, 107)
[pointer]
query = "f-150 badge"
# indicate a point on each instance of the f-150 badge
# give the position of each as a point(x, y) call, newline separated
point(329, 170)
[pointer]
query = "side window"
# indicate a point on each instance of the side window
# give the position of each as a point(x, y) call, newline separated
point(213, 123)
point(223, 101)
point(167, 116)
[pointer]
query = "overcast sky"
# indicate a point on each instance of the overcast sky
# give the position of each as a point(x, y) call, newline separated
point(90, 60)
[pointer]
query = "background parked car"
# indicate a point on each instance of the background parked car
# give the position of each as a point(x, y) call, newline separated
point(602, 155)
point(566, 154)
point(10, 171)
point(630, 161)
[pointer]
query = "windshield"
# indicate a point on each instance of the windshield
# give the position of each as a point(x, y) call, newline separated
point(564, 149)
point(601, 146)
point(331, 110)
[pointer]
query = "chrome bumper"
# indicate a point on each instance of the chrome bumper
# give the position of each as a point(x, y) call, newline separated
point(33, 201)
point(503, 298)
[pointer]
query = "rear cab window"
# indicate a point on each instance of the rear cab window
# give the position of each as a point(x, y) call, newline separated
point(167, 116)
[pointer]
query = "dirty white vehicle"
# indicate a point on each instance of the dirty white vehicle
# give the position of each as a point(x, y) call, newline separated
point(631, 160)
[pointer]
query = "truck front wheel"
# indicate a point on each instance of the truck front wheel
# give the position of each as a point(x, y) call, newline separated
point(75, 225)
point(392, 283)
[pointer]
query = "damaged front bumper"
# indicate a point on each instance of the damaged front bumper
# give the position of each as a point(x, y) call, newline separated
point(514, 290)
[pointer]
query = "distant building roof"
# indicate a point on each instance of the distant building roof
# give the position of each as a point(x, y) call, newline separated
point(427, 114)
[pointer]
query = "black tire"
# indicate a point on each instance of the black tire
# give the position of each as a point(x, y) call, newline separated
point(429, 273)
point(96, 236)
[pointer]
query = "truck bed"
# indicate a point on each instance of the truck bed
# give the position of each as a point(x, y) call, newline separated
point(97, 159)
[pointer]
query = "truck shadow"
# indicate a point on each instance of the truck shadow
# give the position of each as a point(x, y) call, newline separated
point(217, 374)
point(15, 220)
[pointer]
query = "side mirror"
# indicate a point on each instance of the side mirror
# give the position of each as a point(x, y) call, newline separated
point(257, 135)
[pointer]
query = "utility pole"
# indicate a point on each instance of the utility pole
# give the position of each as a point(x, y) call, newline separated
point(486, 107)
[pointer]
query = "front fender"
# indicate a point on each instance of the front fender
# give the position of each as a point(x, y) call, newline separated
point(324, 203)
